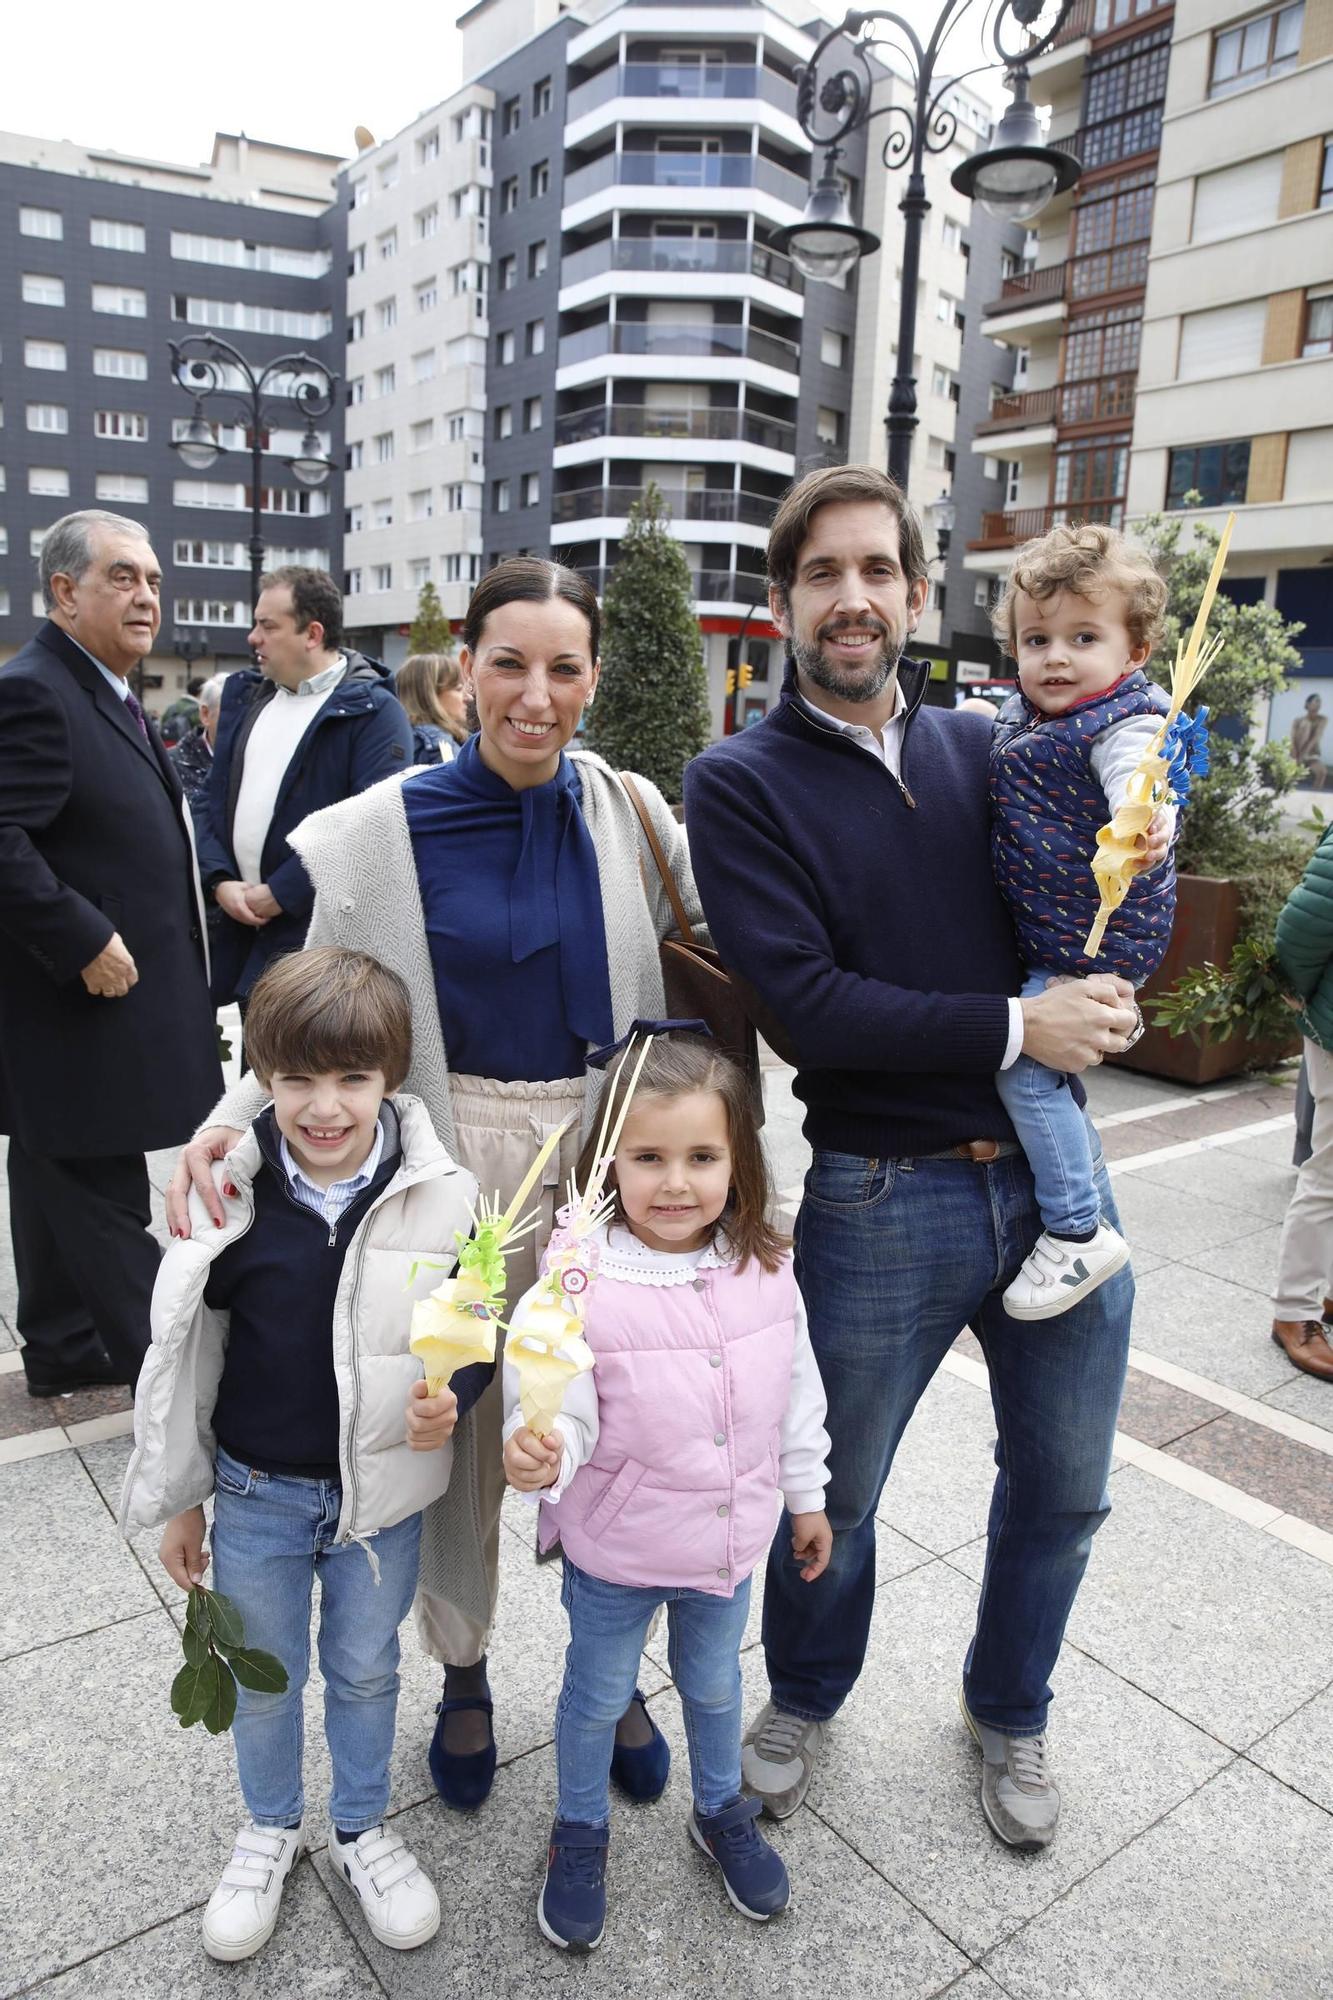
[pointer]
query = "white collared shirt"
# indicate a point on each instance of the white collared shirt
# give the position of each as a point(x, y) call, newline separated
point(119, 685)
point(269, 749)
point(330, 1202)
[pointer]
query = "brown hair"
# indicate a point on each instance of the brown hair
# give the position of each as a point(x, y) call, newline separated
point(531, 580)
point(315, 598)
point(1090, 561)
point(831, 486)
point(677, 1066)
point(418, 684)
point(328, 1009)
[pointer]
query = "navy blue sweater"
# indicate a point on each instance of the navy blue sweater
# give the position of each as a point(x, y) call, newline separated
point(865, 914)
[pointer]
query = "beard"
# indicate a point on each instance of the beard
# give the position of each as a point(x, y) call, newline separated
point(858, 684)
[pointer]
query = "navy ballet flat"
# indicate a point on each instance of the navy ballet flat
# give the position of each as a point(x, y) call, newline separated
point(463, 1782)
point(641, 1771)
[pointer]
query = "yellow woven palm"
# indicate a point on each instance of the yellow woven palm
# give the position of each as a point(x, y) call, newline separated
point(1122, 844)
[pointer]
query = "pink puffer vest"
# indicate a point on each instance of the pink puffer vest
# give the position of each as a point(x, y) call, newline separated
point(693, 1385)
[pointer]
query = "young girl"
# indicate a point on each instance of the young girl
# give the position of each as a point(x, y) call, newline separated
point(662, 1473)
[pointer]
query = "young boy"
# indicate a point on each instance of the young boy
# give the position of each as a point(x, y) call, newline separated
point(280, 1381)
point(1080, 613)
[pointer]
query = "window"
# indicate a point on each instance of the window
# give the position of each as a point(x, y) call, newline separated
point(506, 274)
point(356, 327)
point(428, 147)
point(541, 97)
point(539, 179)
point(50, 417)
point(356, 456)
point(1226, 340)
point(44, 354)
point(1326, 177)
point(532, 488)
point(210, 555)
point(832, 348)
point(360, 192)
point(1268, 46)
point(426, 222)
point(4, 604)
point(386, 246)
point(1218, 472)
point(130, 486)
point(423, 366)
point(127, 300)
point(951, 233)
point(509, 195)
point(40, 290)
point(500, 495)
point(1318, 324)
point(828, 426)
point(1101, 343)
point(461, 279)
point(418, 572)
point(536, 259)
point(211, 611)
point(504, 348)
point(354, 520)
point(45, 222)
point(352, 582)
point(386, 380)
point(421, 505)
point(421, 436)
point(386, 315)
point(356, 391)
point(1090, 480)
point(532, 414)
point(381, 576)
point(1123, 94)
point(356, 262)
point(381, 513)
point(48, 481)
point(461, 569)
point(125, 362)
point(504, 420)
point(941, 381)
point(426, 295)
point(104, 234)
point(207, 493)
point(383, 447)
point(249, 318)
point(387, 176)
point(131, 425)
point(453, 499)
point(510, 117)
point(535, 337)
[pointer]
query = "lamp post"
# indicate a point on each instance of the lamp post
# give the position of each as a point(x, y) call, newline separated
point(1014, 178)
point(204, 365)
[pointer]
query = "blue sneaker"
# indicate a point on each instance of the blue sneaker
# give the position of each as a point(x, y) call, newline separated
point(753, 1874)
point(641, 1770)
point(571, 1910)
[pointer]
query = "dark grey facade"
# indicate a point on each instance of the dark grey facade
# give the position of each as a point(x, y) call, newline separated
point(146, 399)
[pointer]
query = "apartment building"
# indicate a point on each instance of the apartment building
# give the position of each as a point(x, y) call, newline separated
point(104, 259)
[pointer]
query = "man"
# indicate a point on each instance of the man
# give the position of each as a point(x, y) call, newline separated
point(107, 1043)
point(193, 755)
point(315, 724)
point(1307, 736)
point(842, 853)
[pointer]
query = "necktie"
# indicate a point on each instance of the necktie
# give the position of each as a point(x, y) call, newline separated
point(132, 704)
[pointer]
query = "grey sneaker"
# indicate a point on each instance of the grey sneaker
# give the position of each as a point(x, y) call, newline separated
point(777, 1757)
point(1018, 1793)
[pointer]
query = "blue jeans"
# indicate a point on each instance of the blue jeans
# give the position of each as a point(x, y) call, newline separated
point(894, 1258)
point(608, 1624)
point(1053, 1133)
point(271, 1537)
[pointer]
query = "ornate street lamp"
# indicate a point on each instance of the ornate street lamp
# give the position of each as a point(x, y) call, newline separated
point(943, 514)
point(1014, 178)
point(204, 366)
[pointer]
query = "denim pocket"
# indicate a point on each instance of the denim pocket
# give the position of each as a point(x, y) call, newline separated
point(844, 1180)
point(229, 1476)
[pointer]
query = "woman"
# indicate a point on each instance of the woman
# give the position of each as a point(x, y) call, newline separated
point(505, 888)
point(430, 687)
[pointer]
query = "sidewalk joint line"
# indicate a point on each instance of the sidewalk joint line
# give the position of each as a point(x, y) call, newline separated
point(1187, 1149)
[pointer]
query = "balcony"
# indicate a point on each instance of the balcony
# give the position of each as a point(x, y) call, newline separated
point(710, 586)
point(682, 82)
point(644, 337)
point(1019, 524)
point(676, 254)
point(637, 420)
point(1025, 288)
point(589, 503)
point(684, 171)
point(1123, 268)
point(1108, 399)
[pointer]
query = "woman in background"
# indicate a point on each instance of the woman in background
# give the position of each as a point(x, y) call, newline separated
point(430, 687)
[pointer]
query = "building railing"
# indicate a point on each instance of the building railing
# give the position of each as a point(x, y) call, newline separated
point(647, 337)
point(1025, 288)
point(1079, 24)
point(686, 170)
point(587, 503)
point(682, 82)
point(1023, 406)
point(1102, 400)
point(1020, 524)
point(682, 254)
point(638, 420)
point(710, 586)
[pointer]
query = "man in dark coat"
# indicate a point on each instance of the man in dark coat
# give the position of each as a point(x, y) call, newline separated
point(315, 724)
point(107, 1042)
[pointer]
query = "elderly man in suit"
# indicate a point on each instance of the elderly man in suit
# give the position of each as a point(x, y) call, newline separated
point(107, 1042)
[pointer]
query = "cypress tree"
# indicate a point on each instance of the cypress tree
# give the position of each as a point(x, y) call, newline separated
point(430, 628)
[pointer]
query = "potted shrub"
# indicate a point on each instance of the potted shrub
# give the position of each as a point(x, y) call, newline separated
point(1215, 1005)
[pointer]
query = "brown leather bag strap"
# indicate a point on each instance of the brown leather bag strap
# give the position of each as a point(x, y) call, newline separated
point(663, 868)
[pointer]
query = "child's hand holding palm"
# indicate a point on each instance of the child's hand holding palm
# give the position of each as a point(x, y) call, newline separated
point(532, 1462)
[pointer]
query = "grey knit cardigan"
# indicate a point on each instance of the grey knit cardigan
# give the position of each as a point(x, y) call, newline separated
point(358, 855)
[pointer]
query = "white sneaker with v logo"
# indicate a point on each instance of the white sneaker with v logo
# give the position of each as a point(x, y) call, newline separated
point(1056, 1273)
point(243, 1910)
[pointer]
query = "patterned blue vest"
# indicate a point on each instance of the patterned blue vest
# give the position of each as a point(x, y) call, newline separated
point(1046, 807)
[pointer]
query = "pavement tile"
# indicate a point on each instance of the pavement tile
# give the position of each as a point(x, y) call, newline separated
point(8, 1337)
point(1210, 1326)
point(1250, 1261)
point(1225, 1175)
point(669, 1928)
point(974, 1985)
point(938, 1490)
point(105, 1463)
point(1226, 1625)
point(1111, 1088)
point(21, 1413)
point(1161, 1218)
point(1225, 1899)
point(1263, 1463)
point(1300, 1750)
point(899, 1776)
point(66, 1569)
point(1276, 1147)
point(310, 1954)
point(1155, 1412)
point(1304, 1396)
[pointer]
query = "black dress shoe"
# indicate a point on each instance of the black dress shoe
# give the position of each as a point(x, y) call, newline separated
point(97, 1375)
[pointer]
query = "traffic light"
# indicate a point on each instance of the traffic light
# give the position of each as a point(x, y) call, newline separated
point(746, 670)
point(731, 680)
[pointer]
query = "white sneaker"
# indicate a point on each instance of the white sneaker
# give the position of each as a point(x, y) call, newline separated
point(1056, 1273)
point(397, 1898)
point(243, 1909)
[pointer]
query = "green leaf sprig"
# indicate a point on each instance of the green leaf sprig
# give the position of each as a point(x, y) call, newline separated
point(216, 1658)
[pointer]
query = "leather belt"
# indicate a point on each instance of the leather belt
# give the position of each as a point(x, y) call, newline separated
point(981, 1151)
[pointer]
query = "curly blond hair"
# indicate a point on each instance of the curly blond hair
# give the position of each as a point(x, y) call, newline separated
point(1090, 560)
